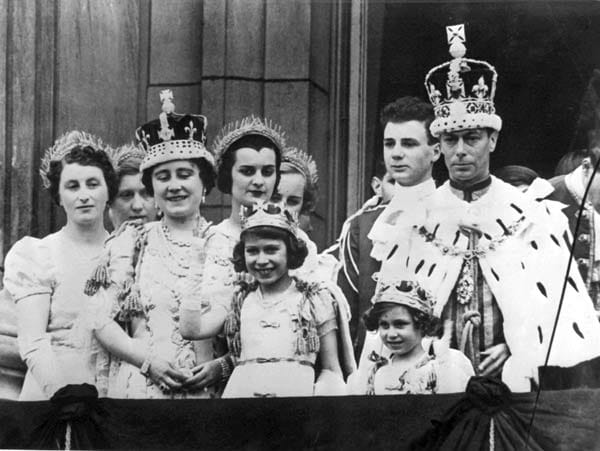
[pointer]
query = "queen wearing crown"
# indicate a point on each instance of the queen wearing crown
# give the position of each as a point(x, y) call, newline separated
point(46, 277)
point(277, 326)
point(146, 268)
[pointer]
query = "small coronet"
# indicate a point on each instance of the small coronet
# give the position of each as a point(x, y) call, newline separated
point(269, 214)
point(404, 292)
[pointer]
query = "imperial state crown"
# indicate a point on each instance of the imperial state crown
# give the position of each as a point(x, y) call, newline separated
point(462, 90)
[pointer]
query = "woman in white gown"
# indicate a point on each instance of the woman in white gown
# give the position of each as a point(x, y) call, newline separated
point(46, 277)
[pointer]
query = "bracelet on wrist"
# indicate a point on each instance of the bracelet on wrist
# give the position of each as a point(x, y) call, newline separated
point(226, 367)
point(145, 368)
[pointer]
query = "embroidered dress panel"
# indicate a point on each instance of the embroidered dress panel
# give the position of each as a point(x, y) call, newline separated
point(268, 331)
point(166, 269)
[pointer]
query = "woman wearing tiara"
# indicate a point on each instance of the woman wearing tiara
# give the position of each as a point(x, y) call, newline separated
point(46, 277)
point(147, 268)
point(298, 192)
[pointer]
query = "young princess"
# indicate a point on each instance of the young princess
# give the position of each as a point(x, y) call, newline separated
point(278, 327)
point(411, 360)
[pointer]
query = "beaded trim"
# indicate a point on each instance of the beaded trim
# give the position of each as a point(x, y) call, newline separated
point(275, 360)
point(181, 149)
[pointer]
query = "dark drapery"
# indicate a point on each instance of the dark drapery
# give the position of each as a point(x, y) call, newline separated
point(567, 419)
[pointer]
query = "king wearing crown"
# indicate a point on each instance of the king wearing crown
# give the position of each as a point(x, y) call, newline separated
point(494, 259)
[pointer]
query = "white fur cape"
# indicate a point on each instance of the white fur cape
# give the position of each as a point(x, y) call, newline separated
point(524, 268)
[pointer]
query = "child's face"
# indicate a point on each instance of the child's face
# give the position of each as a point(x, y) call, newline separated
point(266, 260)
point(397, 331)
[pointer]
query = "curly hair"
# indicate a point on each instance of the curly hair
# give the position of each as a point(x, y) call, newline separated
point(407, 109)
point(256, 142)
point(428, 324)
point(310, 194)
point(85, 156)
point(206, 170)
point(296, 247)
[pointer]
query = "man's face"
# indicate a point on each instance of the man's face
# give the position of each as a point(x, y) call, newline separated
point(467, 154)
point(407, 155)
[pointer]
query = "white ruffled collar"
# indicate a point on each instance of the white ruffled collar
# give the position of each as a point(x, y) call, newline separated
point(385, 229)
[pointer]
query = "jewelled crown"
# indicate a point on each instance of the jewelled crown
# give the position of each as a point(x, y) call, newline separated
point(172, 136)
point(63, 145)
point(269, 214)
point(404, 292)
point(302, 162)
point(120, 155)
point(250, 125)
point(462, 90)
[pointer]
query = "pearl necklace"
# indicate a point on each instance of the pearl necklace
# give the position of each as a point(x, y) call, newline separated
point(180, 251)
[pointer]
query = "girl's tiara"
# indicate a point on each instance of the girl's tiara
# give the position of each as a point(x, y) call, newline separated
point(404, 292)
point(269, 214)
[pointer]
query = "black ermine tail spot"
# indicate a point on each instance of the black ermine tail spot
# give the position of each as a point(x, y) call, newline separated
point(577, 331)
point(501, 224)
point(555, 240)
point(456, 237)
point(392, 252)
point(431, 270)
point(542, 288)
point(540, 335)
point(516, 208)
point(487, 236)
point(522, 265)
point(572, 283)
point(407, 260)
point(534, 245)
point(435, 229)
point(495, 275)
point(419, 266)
